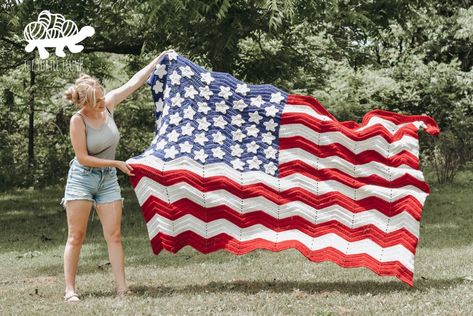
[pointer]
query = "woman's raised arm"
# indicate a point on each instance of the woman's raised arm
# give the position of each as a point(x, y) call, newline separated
point(114, 97)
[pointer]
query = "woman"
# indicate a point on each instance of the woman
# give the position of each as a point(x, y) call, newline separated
point(92, 178)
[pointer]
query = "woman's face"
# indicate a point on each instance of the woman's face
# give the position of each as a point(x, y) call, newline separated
point(100, 101)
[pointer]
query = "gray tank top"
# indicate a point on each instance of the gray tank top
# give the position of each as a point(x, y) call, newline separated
point(102, 142)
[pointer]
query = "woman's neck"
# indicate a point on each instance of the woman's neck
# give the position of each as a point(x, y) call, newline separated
point(92, 114)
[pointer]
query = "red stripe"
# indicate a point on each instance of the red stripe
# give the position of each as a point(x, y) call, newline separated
point(300, 167)
point(323, 151)
point(223, 241)
point(330, 126)
point(396, 118)
point(173, 211)
point(408, 203)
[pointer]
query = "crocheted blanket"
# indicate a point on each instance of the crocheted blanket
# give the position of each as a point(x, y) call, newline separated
point(240, 167)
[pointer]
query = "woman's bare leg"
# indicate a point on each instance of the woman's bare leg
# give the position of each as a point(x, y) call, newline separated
point(110, 215)
point(77, 217)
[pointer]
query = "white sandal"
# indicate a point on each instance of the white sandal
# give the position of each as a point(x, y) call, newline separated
point(74, 297)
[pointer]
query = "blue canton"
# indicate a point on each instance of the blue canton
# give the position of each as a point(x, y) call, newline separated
point(213, 117)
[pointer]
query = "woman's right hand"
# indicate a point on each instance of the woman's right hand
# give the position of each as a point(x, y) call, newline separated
point(124, 167)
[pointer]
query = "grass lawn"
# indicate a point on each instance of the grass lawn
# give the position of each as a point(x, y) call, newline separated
point(33, 233)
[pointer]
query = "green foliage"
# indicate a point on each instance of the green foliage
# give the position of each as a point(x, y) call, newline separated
point(411, 57)
point(465, 23)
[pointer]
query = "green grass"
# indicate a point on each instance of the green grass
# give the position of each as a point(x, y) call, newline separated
point(33, 233)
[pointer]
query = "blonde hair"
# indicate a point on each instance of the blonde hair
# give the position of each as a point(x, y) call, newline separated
point(83, 91)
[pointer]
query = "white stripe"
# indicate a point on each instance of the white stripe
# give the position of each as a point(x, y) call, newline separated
point(388, 125)
point(368, 190)
point(286, 155)
point(376, 143)
point(213, 228)
point(335, 162)
point(300, 108)
point(147, 187)
point(292, 181)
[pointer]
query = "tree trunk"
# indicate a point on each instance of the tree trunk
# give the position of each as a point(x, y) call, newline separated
point(31, 159)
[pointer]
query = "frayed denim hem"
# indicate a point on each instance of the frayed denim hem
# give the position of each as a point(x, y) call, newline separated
point(64, 202)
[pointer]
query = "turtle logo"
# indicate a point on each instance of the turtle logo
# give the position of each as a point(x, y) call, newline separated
point(52, 30)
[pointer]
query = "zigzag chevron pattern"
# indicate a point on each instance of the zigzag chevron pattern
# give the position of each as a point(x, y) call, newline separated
point(239, 167)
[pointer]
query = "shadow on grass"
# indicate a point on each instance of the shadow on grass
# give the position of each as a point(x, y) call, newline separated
point(321, 287)
point(92, 261)
point(34, 220)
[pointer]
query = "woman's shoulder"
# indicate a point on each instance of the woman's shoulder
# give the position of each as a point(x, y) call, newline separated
point(76, 118)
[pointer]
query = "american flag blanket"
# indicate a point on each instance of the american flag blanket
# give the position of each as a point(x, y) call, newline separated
point(240, 167)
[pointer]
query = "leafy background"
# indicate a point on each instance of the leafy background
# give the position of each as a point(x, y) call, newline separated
point(412, 57)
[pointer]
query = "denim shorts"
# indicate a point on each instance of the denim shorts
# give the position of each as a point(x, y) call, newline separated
point(95, 184)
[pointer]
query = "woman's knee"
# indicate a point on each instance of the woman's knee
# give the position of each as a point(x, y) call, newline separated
point(76, 238)
point(113, 236)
